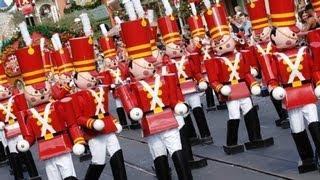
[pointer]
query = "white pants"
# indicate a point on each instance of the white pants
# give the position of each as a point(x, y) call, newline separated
point(297, 116)
point(160, 143)
point(180, 121)
point(3, 139)
point(235, 106)
point(193, 100)
point(99, 145)
point(60, 167)
point(118, 103)
point(12, 143)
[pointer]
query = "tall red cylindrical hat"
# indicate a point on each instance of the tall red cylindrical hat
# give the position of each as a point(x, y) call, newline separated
point(283, 13)
point(153, 37)
point(108, 47)
point(137, 38)
point(169, 29)
point(216, 19)
point(54, 64)
point(31, 65)
point(258, 14)
point(196, 26)
point(3, 76)
point(47, 62)
point(83, 54)
point(316, 6)
point(63, 61)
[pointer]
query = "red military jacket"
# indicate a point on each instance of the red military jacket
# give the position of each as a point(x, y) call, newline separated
point(231, 69)
point(294, 69)
point(157, 97)
point(60, 91)
point(53, 126)
point(90, 105)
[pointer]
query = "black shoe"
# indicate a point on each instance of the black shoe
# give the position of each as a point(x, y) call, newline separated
point(232, 146)
point(207, 140)
point(86, 156)
point(16, 166)
point(27, 159)
point(117, 166)
point(190, 127)
point(222, 106)
point(193, 141)
point(3, 156)
point(201, 122)
point(283, 121)
point(314, 129)
point(94, 172)
point(264, 93)
point(305, 151)
point(162, 169)
point(252, 123)
point(122, 116)
point(181, 165)
point(209, 98)
point(70, 178)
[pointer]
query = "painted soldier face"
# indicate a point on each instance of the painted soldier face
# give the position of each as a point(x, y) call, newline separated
point(37, 94)
point(283, 38)
point(5, 92)
point(174, 50)
point(264, 36)
point(158, 55)
point(224, 45)
point(110, 64)
point(65, 79)
point(141, 69)
point(85, 80)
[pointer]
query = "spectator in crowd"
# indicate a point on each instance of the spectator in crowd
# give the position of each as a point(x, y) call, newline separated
point(308, 20)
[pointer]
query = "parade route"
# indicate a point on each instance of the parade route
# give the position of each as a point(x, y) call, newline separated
point(275, 162)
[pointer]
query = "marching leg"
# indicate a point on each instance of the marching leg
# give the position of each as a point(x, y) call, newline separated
point(252, 123)
point(202, 125)
point(31, 166)
point(181, 165)
point(314, 129)
point(192, 135)
point(94, 171)
point(122, 117)
point(118, 166)
point(3, 156)
point(16, 166)
point(210, 99)
point(283, 122)
point(162, 168)
point(232, 146)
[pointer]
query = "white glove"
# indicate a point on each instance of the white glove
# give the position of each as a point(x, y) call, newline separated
point(278, 93)
point(98, 125)
point(256, 90)
point(2, 125)
point(78, 149)
point(202, 86)
point(119, 127)
point(254, 72)
point(317, 92)
point(136, 114)
point(225, 90)
point(23, 146)
point(180, 109)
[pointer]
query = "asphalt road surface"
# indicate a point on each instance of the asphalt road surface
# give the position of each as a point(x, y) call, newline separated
point(275, 162)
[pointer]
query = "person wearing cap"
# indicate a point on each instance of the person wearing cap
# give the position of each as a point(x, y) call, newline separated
point(10, 127)
point(262, 46)
point(229, 74)
point(51, 124)
point(294, 71)
point(91, 106)
point(187, 66)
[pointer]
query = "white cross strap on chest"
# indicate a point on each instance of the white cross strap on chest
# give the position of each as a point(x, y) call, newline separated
point(99, 99)
point(7, 110)
point(206, 54)
point(117, 76)
point(180, 67)
point(294, 67)
point(266, 51)
point(154, 92)
point(44, 120)
point(233, 67)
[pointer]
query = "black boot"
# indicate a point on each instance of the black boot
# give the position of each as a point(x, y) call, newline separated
point(192, 135)
point(210, 99)
point(222, 105)
point(70, 178)
point(162, 169)
point(283, 122)
point(305, 151)
point(202, 125)
point(27, 159)
point(3, 155)
point(251, 120)
point(122, 117)
point(86, 155)
point(186, 148)
point(16, 166)
point(181, 166)
point(232, 146)
point(94, 172)
point(134, 124)
point(314, 129)
point(117, 166)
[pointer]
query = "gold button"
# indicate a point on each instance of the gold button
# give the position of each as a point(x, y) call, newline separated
point(39, 123)
point(289, 69)
point(149, 96)
point(49, 120)
point(229, 70)
point(238, 67)
point(159, 92)
point(300, 67)
point(284, 62)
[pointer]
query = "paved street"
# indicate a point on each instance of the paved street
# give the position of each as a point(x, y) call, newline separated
point(276, 162)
